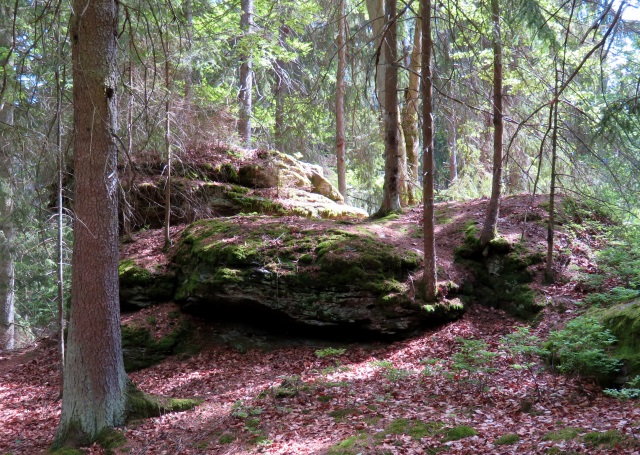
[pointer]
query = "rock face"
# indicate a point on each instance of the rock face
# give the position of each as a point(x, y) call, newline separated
point(623, 319)
point(265, 182)
point(311, 277)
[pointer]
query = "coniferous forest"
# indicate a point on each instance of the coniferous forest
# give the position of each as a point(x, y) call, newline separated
point(319, 227)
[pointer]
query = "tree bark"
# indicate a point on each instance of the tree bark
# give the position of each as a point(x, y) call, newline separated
point(7, 271)
point(375, 9)
point(342, 63)
point(7, 275)
point(410, 123)
point(94, 377)
point(430, 273)
point(391, 191)
point(246, 75)
point(490, 228)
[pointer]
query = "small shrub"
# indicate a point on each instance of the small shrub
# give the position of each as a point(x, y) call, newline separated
point(581, 348)
point(241, 410)
point(473, 362)
point(631, 392)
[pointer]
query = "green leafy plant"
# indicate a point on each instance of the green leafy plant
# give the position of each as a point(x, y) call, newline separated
point(581, 348)
point(473, 362)
point(243, 411)
point(630, 392)
point(525, 351)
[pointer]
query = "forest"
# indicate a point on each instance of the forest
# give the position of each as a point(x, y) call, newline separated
point(319, 227)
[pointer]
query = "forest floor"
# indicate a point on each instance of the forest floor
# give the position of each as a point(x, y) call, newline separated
point(275, 395)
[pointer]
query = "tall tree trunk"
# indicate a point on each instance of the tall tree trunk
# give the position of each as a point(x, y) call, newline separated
point(280, 85)
point(94, 377)
point(342, 63)
point(410, 122)
point(375, 9)
point(430, 275)
point(246, 75)
point(490, 228)
point(391, 195)
point(7, 279)
point(552, 192)
point(167, 146)
point(60, 166)
point(188, 77)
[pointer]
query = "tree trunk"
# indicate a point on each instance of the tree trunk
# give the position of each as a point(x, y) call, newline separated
point(410, 122)
point(60, 224)
point(391, 196)
point(375, 9)
point(342, 63)
point(94, 377)
point(167, 146)
point(430, 274)
point(7, 281)
point(490, 228)
point(246, 75)
point(552, 191)
point(7, 309)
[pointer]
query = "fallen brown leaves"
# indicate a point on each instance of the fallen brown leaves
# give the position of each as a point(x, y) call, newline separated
point(334, 399)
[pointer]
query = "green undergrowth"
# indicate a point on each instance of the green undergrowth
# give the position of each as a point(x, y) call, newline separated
point(366, 442)
point(501, 274)
point(611, 439)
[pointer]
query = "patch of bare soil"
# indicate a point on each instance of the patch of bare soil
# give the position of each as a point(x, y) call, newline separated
point(289, 400)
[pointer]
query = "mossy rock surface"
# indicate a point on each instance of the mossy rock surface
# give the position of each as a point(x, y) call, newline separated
point(263, 181)
point(623, 319)
point(318, 277)
point(141, 287)
point(141, 350)
point(501, 275)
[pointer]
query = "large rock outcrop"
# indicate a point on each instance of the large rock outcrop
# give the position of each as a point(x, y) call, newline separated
point(288, 275)
point(226, 182)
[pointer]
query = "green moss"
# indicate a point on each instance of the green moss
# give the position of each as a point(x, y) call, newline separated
point(131, 274)
point(459, 432)
point(417, 429)
point(110, 439)
point(141, 350)
point(609, 438)
point(500, 279)
point(564, 434)
point(352, 445)
point(507, 439)
point(141, 405)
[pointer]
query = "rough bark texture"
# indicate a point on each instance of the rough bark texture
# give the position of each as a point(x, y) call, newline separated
point(410, 124)
point(490, 228)
point(94, 376)
point(7, 312)
point(246, 76)
point(342, 63)
point(391, 196)
point(430, 275)
point(375, 9)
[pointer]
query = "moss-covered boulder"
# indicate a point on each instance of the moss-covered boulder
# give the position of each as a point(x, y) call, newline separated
point(274, 272)
point(239, 181)
point(500, 274)
point(623, 319)
point(141, 287)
